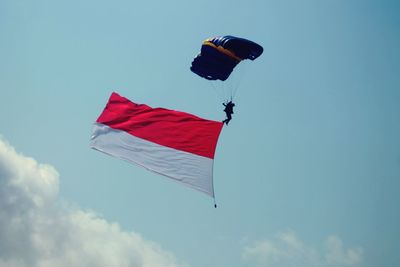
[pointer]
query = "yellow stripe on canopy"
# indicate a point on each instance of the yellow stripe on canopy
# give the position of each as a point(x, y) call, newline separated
point(223, 50)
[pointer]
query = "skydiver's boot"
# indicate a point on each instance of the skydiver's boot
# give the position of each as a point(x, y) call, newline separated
point(226, 121)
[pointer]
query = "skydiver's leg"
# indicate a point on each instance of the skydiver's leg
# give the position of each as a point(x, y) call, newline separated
point(228, 119)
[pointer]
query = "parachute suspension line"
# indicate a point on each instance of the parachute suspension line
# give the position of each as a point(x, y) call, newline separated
point(231, 89)
point(241, 74)
point(219, 94)
point(227, 88)
point(223, 90)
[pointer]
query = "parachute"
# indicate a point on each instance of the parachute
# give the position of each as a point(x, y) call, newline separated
point(220, 55)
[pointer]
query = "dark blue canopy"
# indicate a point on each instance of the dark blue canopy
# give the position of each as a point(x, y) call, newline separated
point(220, 55)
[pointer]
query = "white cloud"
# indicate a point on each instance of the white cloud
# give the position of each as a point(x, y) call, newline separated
point(286, 249)
point(337, 255)
point(36, 232)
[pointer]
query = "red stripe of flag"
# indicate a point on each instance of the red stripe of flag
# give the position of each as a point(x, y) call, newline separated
point(170, 128)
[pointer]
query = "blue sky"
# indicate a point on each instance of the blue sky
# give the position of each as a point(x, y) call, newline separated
point(306, 174)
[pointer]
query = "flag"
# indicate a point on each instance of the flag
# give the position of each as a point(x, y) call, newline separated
point(175, 144)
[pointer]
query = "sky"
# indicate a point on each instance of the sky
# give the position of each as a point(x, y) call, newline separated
point(306, 174)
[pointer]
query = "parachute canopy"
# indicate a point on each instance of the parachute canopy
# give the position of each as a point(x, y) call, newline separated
point(220, 55)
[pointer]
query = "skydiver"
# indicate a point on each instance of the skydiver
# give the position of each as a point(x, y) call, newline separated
point(228, 110)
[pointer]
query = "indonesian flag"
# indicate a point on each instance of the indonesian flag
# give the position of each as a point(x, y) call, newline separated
point(175, 144)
